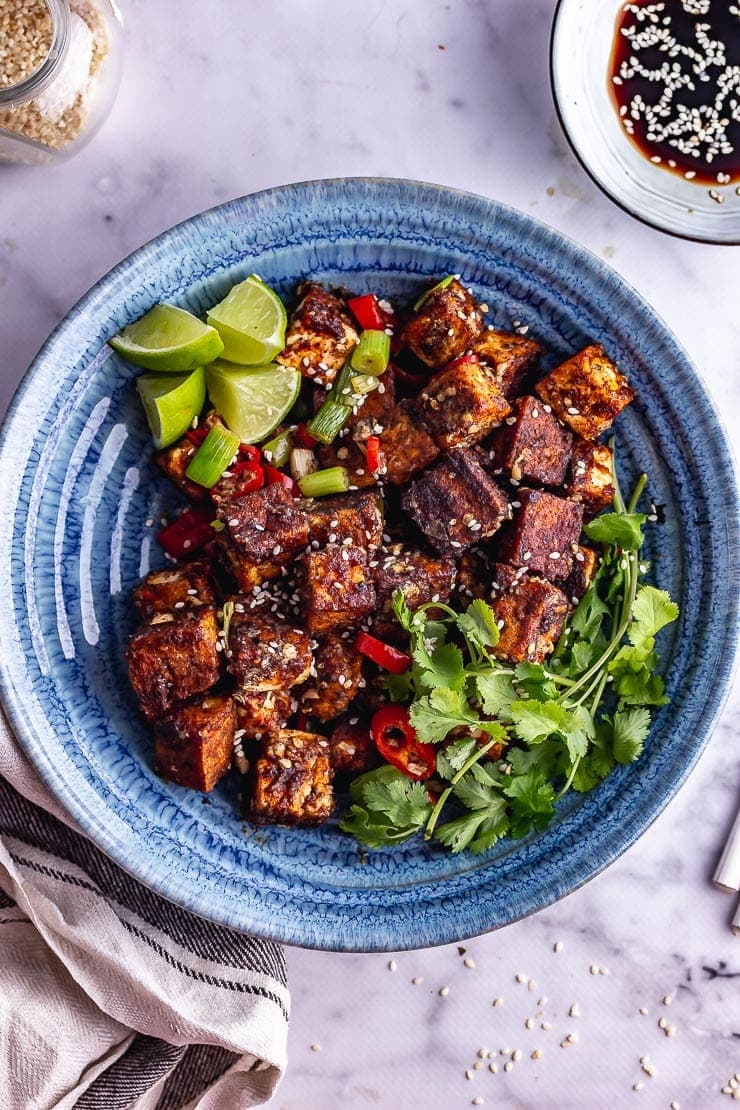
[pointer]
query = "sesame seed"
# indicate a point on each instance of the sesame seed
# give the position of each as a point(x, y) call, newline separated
point(392, 965)
point(537, 1054)
point(493, 1067)
point(477, 1065)
point(575, 1010)
point(667, 1000)
point(469, 963)
point(497, 1002)
point(558, 945)
point(316, 1048)
point(521, 977)
point(477, 1101)
point(469, 1074)
point(637, 1086)
point(529, 1023)
point(643, 1010)
point(443, 992)
point(545, 1026)
point(482, 1053)
point(516, 1055)
point(508, 1065)
point(594, 969)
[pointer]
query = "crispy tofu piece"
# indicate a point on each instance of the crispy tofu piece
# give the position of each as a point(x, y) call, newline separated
point(448, 322)
point(291, 783)
point(357, 517)
point(587, 392)
point(473, 579)
point(320, 335)
point(351, 747)
point(374, 414)
point(264, 531)
point(338, 674)
point(585, 565)
point(590, 477)
point(175, 460)
point(543, 534)
point(194, 745)
point(406, 445)
point(512, 358)
point(533, 446)
point(345, 452)
point(338, 590)
point(530, 614)
point(420, 577)
point(186, 586)
point(461, 405)
point(456, 504)
point(265, 652)
point(172, 658)
point(261, 711)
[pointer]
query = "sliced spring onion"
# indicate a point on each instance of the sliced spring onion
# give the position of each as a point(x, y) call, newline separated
point(364, 383)
point(328, 421)
point(302, 462)
point(212, 457)
point(372, 354)
point(323, 483)
point(341, 391)
point(440, 285)
point(277, 450)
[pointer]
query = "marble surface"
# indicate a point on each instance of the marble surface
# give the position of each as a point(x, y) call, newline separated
point(220, 100)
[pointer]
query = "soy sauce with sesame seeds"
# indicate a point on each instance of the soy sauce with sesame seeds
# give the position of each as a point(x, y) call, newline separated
point(674, 77)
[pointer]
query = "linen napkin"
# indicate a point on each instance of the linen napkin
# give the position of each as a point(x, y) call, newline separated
point(110, 996)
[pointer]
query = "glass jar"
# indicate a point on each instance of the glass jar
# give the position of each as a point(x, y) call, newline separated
point(60, 66)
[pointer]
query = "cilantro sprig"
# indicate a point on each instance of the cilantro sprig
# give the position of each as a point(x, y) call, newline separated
point(512, 740)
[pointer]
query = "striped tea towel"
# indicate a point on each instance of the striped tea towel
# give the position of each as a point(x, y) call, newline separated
point(111, 997)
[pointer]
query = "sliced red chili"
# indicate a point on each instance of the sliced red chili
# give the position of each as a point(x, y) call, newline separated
point(461, 361)
point(197, 435)
point(385, 655)
point(395, 739)
point(303, 437)
point(249, 453)
point(250, 474)
point(367, 312)
point(273, 476)
point(372, 447)
point(301, 721)
point(189, 533)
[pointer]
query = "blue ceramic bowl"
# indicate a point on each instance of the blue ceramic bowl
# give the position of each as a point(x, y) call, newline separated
point(79, 487)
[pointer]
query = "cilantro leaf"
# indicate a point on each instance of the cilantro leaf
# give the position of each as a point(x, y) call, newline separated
point(589, 614)
point(536, 721)
point(618, 529)
point(532, 679)
point(477, 830)
point(652, 610)
point(478, 625)
point(477, 795)
point(399, 686)
point(386, 808)
point(451, 758)
point(436, 714)
point(532, 802)
point(495, 691)
point(598, 761)
point(631, 727)
point(444, 667)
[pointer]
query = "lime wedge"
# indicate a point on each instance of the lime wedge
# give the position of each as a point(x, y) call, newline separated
point(252, 400)
point(168, 339)
point(251, 320)
point(171, 402)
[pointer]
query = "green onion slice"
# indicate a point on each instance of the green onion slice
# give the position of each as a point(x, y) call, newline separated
point(323, 483)
point(372, 354)
point(328, 421)
point(440, 285)
point(212, 457)
point(364, 383)
point(277, 450)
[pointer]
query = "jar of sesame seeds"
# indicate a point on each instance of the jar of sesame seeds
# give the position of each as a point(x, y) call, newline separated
point(59, 73)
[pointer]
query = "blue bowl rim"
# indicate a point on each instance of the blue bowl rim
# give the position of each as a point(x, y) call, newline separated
point(584, 871)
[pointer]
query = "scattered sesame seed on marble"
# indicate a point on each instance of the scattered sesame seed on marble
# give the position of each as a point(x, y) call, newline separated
point(468, 962)
point(316, 1048)
point(670, 1030)
point(604, 971)
point(662, 1022)
point(392, 965)
point(649, 1070)
point(546, 1026)
point(482, 1053)
point(477, 1065)
point(644, 1011)
point(468, 1074)
point(593, 969)
point(575, 1010)
point(529, 1023)
point(443, 992)
point(675, 1105)
point(508, 1065)
point(477, 1101)
point(558, 945)
point(516, 1055)
point(521, 977)
point(637, 1086)
point(497, 1002)
point(531, 985)
point(542, 1001)
point(537, 1054)
point(667, 1000)
point(493, 1067)
point(417, 980)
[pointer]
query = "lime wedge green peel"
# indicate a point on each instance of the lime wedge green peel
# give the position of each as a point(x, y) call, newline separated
point(168, 340)
point(251, 320)
point(171, 402)
point(252, 401)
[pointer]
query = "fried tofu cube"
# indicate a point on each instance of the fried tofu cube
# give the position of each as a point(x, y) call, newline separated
point(585, 565)
point(265, 652)
point(590, 477)
point(261, 711)
point(473, 577)
point(338, 590)
point(543, 534)
point(263, 532)
point(533, 446)
point(186, 586)
point(291, 783)
point(194, 745)
point(456, 504)
point(374, 414)
point(172, 658)
point(320, 335)
point(530, 615)
point(338, 673)
point(512, 358)
point(587, 392)
point(351, 747)
point(352, 516)
point(421, 578)
point(462, 404)
point(352, 456)
point(447, 323)
point(175, 460)
point(406, 445)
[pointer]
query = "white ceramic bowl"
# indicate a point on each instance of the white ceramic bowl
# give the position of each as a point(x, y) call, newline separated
point(580, 51)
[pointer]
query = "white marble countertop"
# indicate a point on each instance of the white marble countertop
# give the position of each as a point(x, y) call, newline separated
point(223, 99)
